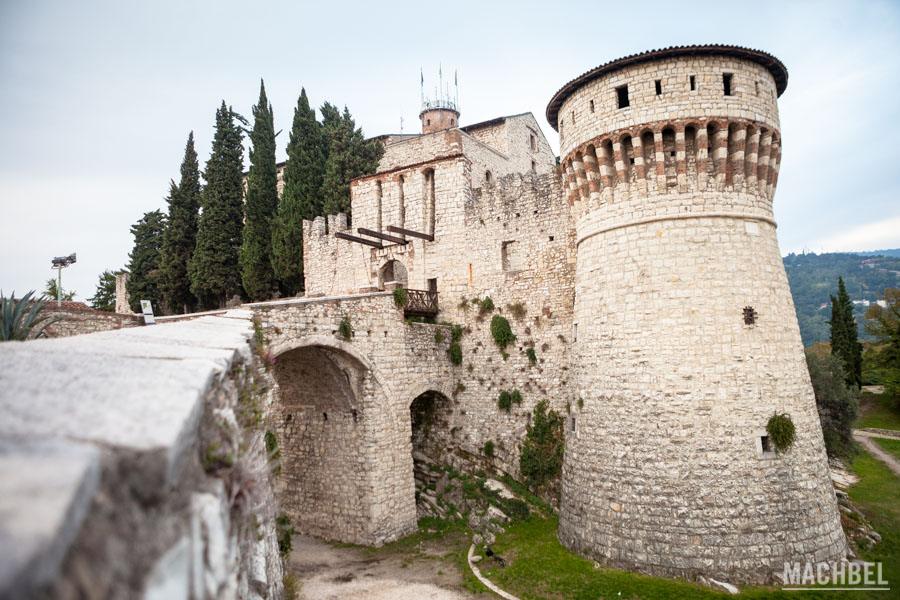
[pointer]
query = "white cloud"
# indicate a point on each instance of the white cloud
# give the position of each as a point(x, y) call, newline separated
point(877, 235)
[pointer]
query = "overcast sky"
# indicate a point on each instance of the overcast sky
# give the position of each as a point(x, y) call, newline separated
point(97, 98)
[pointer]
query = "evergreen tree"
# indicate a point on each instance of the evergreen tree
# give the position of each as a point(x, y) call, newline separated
point(350, 155)
point(181, 234)
point(262, 201)
point(213, 269)
point(143, 281)
point(303, 175)
point(105, 297)
point(844, 342)
point(836, 401)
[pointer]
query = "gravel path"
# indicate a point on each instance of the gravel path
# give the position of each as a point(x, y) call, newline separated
point(865, 438)
point(328, 572)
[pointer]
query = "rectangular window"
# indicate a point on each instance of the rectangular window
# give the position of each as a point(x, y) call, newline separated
point(592, 106)
point(510, 258)
point(757, 88)
point(658, 87)
point(693, 83)
point(533, 167)
point(533, 142)
point(726, 83)
point(573, 117)
point(432, 285)
point(622, 96)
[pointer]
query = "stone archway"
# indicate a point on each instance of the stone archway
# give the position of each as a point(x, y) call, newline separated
point(392, 275)
point(343, 476)
point(430, 438)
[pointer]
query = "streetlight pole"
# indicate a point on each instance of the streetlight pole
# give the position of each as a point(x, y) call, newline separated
point(59, 263)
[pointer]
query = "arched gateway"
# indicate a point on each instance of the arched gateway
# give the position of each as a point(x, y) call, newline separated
point(346, 457)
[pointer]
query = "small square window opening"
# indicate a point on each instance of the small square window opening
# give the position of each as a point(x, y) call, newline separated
point(622, 96)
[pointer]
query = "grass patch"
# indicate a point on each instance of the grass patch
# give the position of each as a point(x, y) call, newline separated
point(877, 411)
point(889, 446)
point(539, 567)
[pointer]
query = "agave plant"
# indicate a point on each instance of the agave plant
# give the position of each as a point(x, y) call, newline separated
point(21, 319)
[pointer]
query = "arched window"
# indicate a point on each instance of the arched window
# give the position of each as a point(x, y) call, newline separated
point(488, 178)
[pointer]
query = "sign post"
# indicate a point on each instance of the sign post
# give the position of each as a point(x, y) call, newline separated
point(147, 310)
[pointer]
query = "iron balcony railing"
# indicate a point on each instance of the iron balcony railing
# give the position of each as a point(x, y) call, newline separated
point(421, 303)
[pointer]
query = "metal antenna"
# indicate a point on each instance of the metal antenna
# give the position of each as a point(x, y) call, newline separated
point(422, 86)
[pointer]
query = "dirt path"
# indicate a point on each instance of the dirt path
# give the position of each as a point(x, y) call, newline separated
point(865, 438)
point(328, 571)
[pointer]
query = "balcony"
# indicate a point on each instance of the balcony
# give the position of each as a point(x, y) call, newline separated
point(421, 303)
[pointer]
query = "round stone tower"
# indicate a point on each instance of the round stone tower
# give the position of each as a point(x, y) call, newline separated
point(438, 117)
point(687, 340)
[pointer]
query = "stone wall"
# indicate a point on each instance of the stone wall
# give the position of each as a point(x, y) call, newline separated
point(76, 318)
point(132, 465)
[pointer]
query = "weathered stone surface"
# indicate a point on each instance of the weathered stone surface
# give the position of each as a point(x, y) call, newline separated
point(119, 496)
point(45, 491)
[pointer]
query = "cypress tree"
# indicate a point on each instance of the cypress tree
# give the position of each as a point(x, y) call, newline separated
point(262, 201)
point(143, 280)
point(214, 267)
point(300, 199)
point(105, 297)
point(350, 155)
point(181, 234)
point(844, 342)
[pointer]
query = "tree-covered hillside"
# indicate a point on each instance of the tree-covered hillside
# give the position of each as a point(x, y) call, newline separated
point(814, 278)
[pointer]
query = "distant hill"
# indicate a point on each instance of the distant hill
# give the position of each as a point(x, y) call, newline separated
point(813, 279)
point(893, 252)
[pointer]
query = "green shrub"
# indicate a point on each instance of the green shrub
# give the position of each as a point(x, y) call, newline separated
point(515, 508)
point(456, 333)
point(541, 452)
point(439, 336)
point(345, 329)
point(517, 310)
point(836, 401)
point(488, 449)
point(507, 398)
point(401, 297)
point(781, 431)
point(455, 352)
point(501, 332)
point(485, 305)
point(271, 444)
point(532, 356)
point(284, 532)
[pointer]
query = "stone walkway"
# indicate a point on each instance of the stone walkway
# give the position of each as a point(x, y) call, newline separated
point(865, 438)
point(331, 572)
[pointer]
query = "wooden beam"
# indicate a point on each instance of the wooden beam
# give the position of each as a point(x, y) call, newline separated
point(358, 240)
point(410, 232)
point(381, 236)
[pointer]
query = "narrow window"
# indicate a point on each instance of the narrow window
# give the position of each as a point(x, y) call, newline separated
point(574, 332)
point(726, 83)
point(429, 201)
point(658, 87)
point(533, 167)
point(757, 88)
point(693, 83)
point(573, 117)
point(378, 208)
point(750, 315)
point(428, 121)
point(509, 256)
point(487, 176)
point(765, 443)
point(532, 142)
point(592, 106)
point(401, 182)
point(572, 424)
point(622, 96)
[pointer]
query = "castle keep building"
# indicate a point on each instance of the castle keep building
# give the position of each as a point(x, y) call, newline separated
point(644, 273)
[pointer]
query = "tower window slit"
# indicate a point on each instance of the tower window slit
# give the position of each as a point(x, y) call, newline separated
point(658, 87)
point(726, 83)
point(622, 96)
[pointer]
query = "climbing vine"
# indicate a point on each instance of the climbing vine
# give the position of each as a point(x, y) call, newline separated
point(401, 297)
point(345, 329)
point(507, 398)
point(541, 452)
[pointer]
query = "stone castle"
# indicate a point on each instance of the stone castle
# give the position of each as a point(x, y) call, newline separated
point(654, 299)
point(641, 277)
